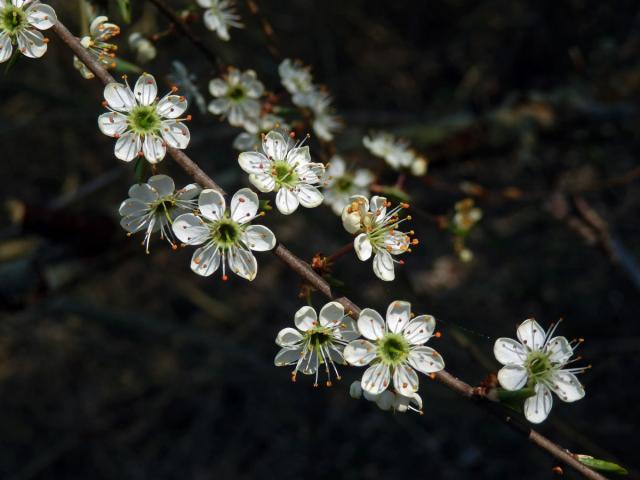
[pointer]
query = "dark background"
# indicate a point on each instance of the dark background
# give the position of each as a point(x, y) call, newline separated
point(115, 364)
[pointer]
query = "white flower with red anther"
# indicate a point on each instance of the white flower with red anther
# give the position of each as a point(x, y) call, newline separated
point(317, 341)
point(237, 95)
point(284, 166)
point(340, 184)
point(152, 207)
point(96, 43)
point(142, 124)
point(377, 233)
point(538, 360)
point(20, 22)
point(394, 349)
point(219, 16)
point(225, 234)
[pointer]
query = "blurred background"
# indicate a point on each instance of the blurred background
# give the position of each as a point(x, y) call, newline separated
point(116, 364)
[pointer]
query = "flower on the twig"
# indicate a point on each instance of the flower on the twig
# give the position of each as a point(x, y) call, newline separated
point(219, 16)
point(20, 22)
point(395, 152)
point(298, 81)
point(285, 167)
point(152, 207)
point(143, 49)
point(142, 124)
point(317, 340)
point(226, 235)
point(340, 184)
point(378, 233)
point(394, 349)
point(237, 95)
point(253, 140)
point(96, 43)
point(388, 399)
point(539, 360)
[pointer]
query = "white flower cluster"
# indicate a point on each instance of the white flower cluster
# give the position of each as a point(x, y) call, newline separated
point(20, 24)
point(396, 153)
point(219, 16)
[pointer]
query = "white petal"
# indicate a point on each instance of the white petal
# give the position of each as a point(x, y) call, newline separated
point(385, 400)
point(189, 192)
point(219, 106)
point(359, 352)
point(41, 16)
point(426, 360)
point(211, 204)
point(531, 334)
point(306, 318)
point(559, 350)
point(134, 223)
point(376, 379)
point(128, 147)
point(31, 43)
point(371, 324)
point(253, 162)
point(309, 197)
point(398, 315)
point(379, 206)
point(112, 123)
point(420, 329)
point(537, 408)
point(6, 49)
point(244, 205)
point(189, 229)
point(163, 184)
point(286, 201)
point(363, 247)
point(275, 145)
point(143, 192)
point(512, 377)
point(396, 242)
point(363, 178)
point(288, 337)
point(331, 314)
point(205, 260)
point(146, 90)
point(119, 97)
point(405, 380)
point(310, 363)
point(298, 156)
point(383, 266)
point(154, 148)
point(172, 106)
point(567, 386)
point(243, 263)
point(176, 134)
point(348, 331)
point(262, 181)
point(218, 87)
point(259, 238)
point(509, 352)
point(287, 356)
point(336, 167)
point(133, 207)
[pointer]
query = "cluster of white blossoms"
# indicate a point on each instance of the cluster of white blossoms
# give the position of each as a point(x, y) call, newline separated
point(377, 234)
point(298, 81)
point(285, 167)
point(219, 16)
point(237, 98)
point(538, 360)
point(20, 24)
point(98, 46)
point(396, 153)
point(340, 184)
point(142, 124)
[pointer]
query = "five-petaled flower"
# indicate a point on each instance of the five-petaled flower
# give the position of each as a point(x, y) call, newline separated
point(340, 184)
point(142, 124)
point(395, 152)
point(393, 349)
point(225, 234)
point(152, 207)
point(316, 341)
point(20, 22)
point(219, 16)
point(538, 360)
point(237, 95)
point(284, 167)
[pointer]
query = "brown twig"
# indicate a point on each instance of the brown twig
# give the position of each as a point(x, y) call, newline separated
point(305, 271)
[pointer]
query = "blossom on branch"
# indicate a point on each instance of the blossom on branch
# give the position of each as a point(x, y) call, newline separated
point(237, 95)
point(219, 16)
point(396, 153)
point(96, 43)
point(20, 22)
point(340, 184)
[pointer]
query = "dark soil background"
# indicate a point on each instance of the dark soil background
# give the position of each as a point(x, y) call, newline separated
point(119, 365)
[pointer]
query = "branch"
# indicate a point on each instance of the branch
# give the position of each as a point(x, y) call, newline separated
point(305, 271)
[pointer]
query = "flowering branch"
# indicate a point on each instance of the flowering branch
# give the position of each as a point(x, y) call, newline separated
point(305, 271)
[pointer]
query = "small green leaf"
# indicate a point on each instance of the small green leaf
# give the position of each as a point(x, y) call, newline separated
point(394, 193)
point(140, 169)
point(265, 206)
point(506, 396)
point(602, 465)
point(12, 60)
point(122, 66)
point(124, 6)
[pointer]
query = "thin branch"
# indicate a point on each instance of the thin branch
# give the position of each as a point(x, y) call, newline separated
point(305, 271)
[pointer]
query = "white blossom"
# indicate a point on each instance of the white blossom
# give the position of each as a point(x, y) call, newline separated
point(539, 360)
point(253, 140)
point(98, 46)
point(394, 349)
point(225, 234)
point(316, 342)
point(219, 16)
point(284, 167)
point(152, 207)
point(20, 24)
point(297, 79)
point(395, 152)
point(325, 123)
point(340, 184)
point(142, 48)
point(237, 95)
point(142, 124)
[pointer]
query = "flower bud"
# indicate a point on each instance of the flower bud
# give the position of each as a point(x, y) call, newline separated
point(419, 167)
point(355, 390)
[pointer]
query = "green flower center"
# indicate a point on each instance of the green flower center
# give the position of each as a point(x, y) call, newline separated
point(318, 337)
point(236, 93)
point(344, 184)
point(226, 233)
point(284, 174)
point(393, 349)
point(13, 19)
point(538, 365)
point(144, 120)
point(164, 206)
